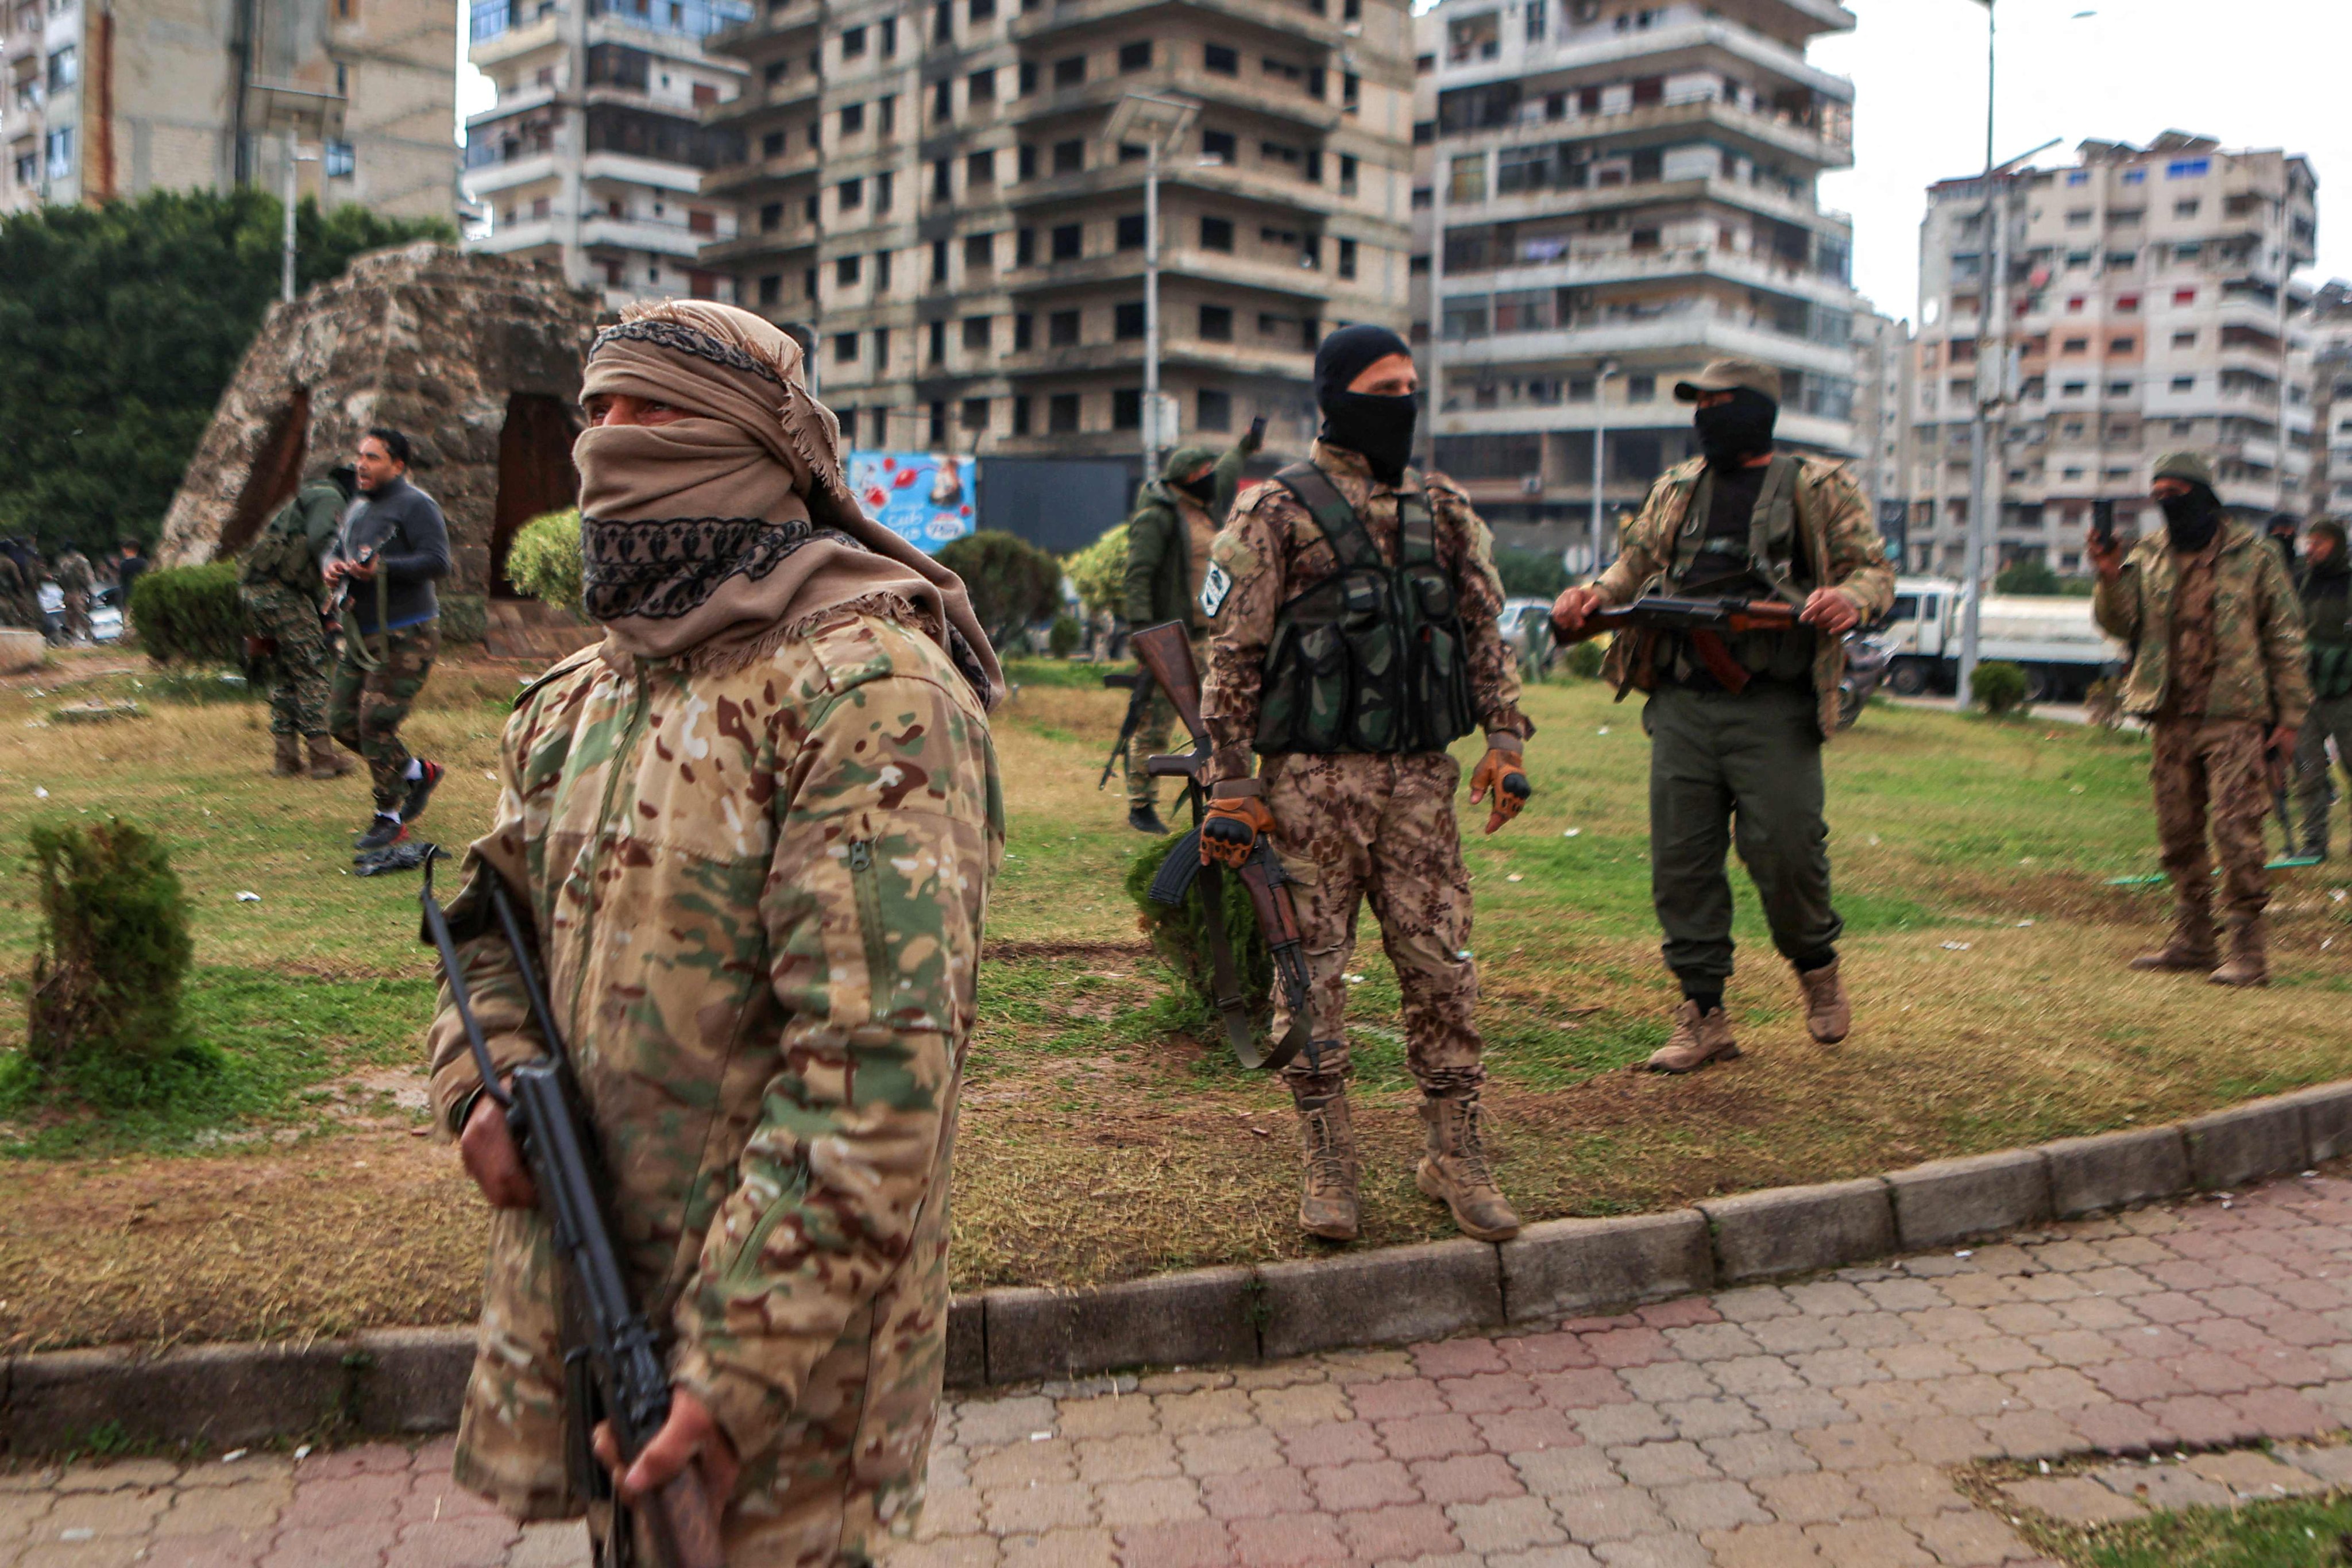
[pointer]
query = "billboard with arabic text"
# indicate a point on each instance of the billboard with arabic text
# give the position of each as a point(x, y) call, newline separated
point(925, 497)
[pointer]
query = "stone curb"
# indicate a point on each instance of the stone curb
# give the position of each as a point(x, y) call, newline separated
point(408, 1381)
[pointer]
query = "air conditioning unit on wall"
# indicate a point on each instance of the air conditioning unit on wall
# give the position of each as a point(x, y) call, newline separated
point(1531, 484)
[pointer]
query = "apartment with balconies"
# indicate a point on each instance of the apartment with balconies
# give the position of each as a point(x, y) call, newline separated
point(102, 99)
point(1882, 413)
point(595, 155)
point(2147, 296)
point(2324, 325)
point(1610, 194)
point(934, 192)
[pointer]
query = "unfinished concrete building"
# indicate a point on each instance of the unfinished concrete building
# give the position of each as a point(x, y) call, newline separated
point(477, 358)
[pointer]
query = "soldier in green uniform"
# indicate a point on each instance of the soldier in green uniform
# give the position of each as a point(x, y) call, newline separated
point(1353, 639)
point(2218, 671)
point(75, 585)
point(754, 830)
point(2324, 586)
point(1737, 726)
point(284, 593)
point(1168, 544)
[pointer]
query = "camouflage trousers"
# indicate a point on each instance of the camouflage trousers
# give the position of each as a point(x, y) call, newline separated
point(1352, 827)
point(846, 1473)
point(1152, 735)
point(2212, 772)
point(73, 618)
point(297, 672)
point(367, 706)
point(2330, 719)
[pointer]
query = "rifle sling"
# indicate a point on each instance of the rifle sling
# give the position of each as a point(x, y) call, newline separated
point(1210, 885)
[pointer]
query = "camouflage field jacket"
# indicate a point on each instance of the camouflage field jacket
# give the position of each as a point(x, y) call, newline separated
point(2258, 646)
point(759, 899)
point(1835, 522)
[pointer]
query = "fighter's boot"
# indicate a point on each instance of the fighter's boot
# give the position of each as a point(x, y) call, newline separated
point(2191, 948)
point(1698, 1039)
point(2248, 964)
point(327, 761)
point(1145, 818)
point(1327, 1145)
point(289, 756)
point(1454, 1169)
point(1829, 1017)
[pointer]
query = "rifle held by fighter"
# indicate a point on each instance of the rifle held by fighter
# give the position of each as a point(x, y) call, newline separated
point(1165, 654)
point(619, 1370)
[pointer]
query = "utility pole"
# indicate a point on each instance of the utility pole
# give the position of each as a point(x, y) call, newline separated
point(1599, 431)
point(1160, 122)
point(1980, 429)
point(1440, 176)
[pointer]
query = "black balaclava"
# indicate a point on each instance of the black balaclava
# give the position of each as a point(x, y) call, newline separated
point(1377, 428)
point(1202, 490)
point(1731, 433)
point(2190, 517)
point(346, 478)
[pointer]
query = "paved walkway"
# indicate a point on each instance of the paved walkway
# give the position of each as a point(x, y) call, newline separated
point(1813, 1424)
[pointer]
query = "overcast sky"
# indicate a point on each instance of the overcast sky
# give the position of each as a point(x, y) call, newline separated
point(2253, 73)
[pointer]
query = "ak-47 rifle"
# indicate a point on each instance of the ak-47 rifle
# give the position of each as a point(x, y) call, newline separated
point(1140, 689)
point(1704, 621)
point(618, 1373)
point(1165, 653)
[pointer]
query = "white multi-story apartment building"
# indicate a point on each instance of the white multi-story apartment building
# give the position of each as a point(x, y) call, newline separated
point(1626, 190)
point(1882, 406)
point(2147, 301)
point(102, 99)
point(596, 154)
point(2325, 330)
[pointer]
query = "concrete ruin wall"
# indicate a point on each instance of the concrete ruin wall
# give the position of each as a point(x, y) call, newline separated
point(477, 358)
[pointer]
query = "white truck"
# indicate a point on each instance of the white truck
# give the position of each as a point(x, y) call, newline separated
point(2060, 646)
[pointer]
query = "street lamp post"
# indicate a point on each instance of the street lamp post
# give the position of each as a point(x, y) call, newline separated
point(1599, 431)
point(295, 157)
point(1980, 475)
point(1162, 122)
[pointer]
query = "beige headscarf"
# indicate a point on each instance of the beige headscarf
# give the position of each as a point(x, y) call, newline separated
point(718, 536)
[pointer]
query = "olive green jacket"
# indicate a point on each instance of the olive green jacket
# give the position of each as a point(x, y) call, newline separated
point(1160, 585)
point(2258, 645)
point(1840, 537)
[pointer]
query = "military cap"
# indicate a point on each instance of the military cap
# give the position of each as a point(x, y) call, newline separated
point(1731, 375)
point(2190, 466)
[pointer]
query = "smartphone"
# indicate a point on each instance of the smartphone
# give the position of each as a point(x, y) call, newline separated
point(1257, 429)
point(2103, 522)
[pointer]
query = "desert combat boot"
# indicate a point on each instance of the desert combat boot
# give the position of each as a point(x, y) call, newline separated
point(1453, 1170)
point(289, 763)
point(1698, 1038)
point(2189, 949)
point(326, 763)
point(1829, 1017)
point(1327, 1145)
point(2249, 964)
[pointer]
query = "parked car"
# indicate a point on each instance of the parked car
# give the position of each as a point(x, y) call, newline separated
point(105, 615)
point(1526, 625)
point(1868, 656)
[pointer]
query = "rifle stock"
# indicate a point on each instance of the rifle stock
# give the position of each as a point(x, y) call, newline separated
point(1165, 652)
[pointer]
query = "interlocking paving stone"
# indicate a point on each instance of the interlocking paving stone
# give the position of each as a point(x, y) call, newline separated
point(1813, 1423)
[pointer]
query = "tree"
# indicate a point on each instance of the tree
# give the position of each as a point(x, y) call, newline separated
point(1013, 582)
point(120, 327)
point(2027, 574)
point(1530, 574)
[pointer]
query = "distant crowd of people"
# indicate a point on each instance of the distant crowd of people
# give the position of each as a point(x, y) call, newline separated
point(82, 587)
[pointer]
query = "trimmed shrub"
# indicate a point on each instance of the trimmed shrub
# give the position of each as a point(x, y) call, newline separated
point(1063, 640)
point(190, 615)
point(1099, 572)
point(543, 560)
point(1584, 659)
point(1178, 938)
point(1530, 574)
point(1997, 687)
point(1013, 582)
point(103, 1014)
point(2028, 575)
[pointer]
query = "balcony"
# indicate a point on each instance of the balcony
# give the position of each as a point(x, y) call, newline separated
point(765, 176)
point(1259, 183)
point(1688, 329)
point(753, 38)
point(1826, 140)
point(1213, 89)
point(754, 245)
point(486, 173)
point(1630, 267)
point(1525, 206)
point(1286, 19)
point(1583, 57)
point(1095, 272)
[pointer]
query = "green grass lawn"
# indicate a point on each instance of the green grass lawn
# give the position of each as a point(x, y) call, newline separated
point(1986, 952)
point(2298, 1533)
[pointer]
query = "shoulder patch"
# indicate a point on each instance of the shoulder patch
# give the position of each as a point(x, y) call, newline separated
point(1215, 583)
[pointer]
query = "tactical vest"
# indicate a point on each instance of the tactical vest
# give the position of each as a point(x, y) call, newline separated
point(1371, 658)
point(281, 555)
point(1769, 548)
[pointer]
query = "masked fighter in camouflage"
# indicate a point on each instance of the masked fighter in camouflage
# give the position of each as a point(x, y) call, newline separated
point(755, 831)
point(1352, 640)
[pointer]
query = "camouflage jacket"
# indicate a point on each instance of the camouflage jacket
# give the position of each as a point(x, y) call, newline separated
point(1160, 581)
point(72, 572)
point(758, 897)
point(2258, 646)
point(1835, 522)
point(1271, 549)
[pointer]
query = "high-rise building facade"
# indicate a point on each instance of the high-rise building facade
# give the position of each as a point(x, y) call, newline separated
point(2148, 300)
point(1882, 409)
point(2324, 327)
point(1625, 190)
point(937, 193)
point(596, 155)
point(116, 98)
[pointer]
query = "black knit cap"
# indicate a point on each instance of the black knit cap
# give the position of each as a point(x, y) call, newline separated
point(1342, 356)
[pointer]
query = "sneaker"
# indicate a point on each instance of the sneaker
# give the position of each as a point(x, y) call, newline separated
point(1145, 819)
point(382, 834)
point(420, 791)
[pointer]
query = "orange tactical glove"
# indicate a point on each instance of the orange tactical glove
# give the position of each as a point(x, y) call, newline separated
point(1230, 828)
point(1501, 775)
